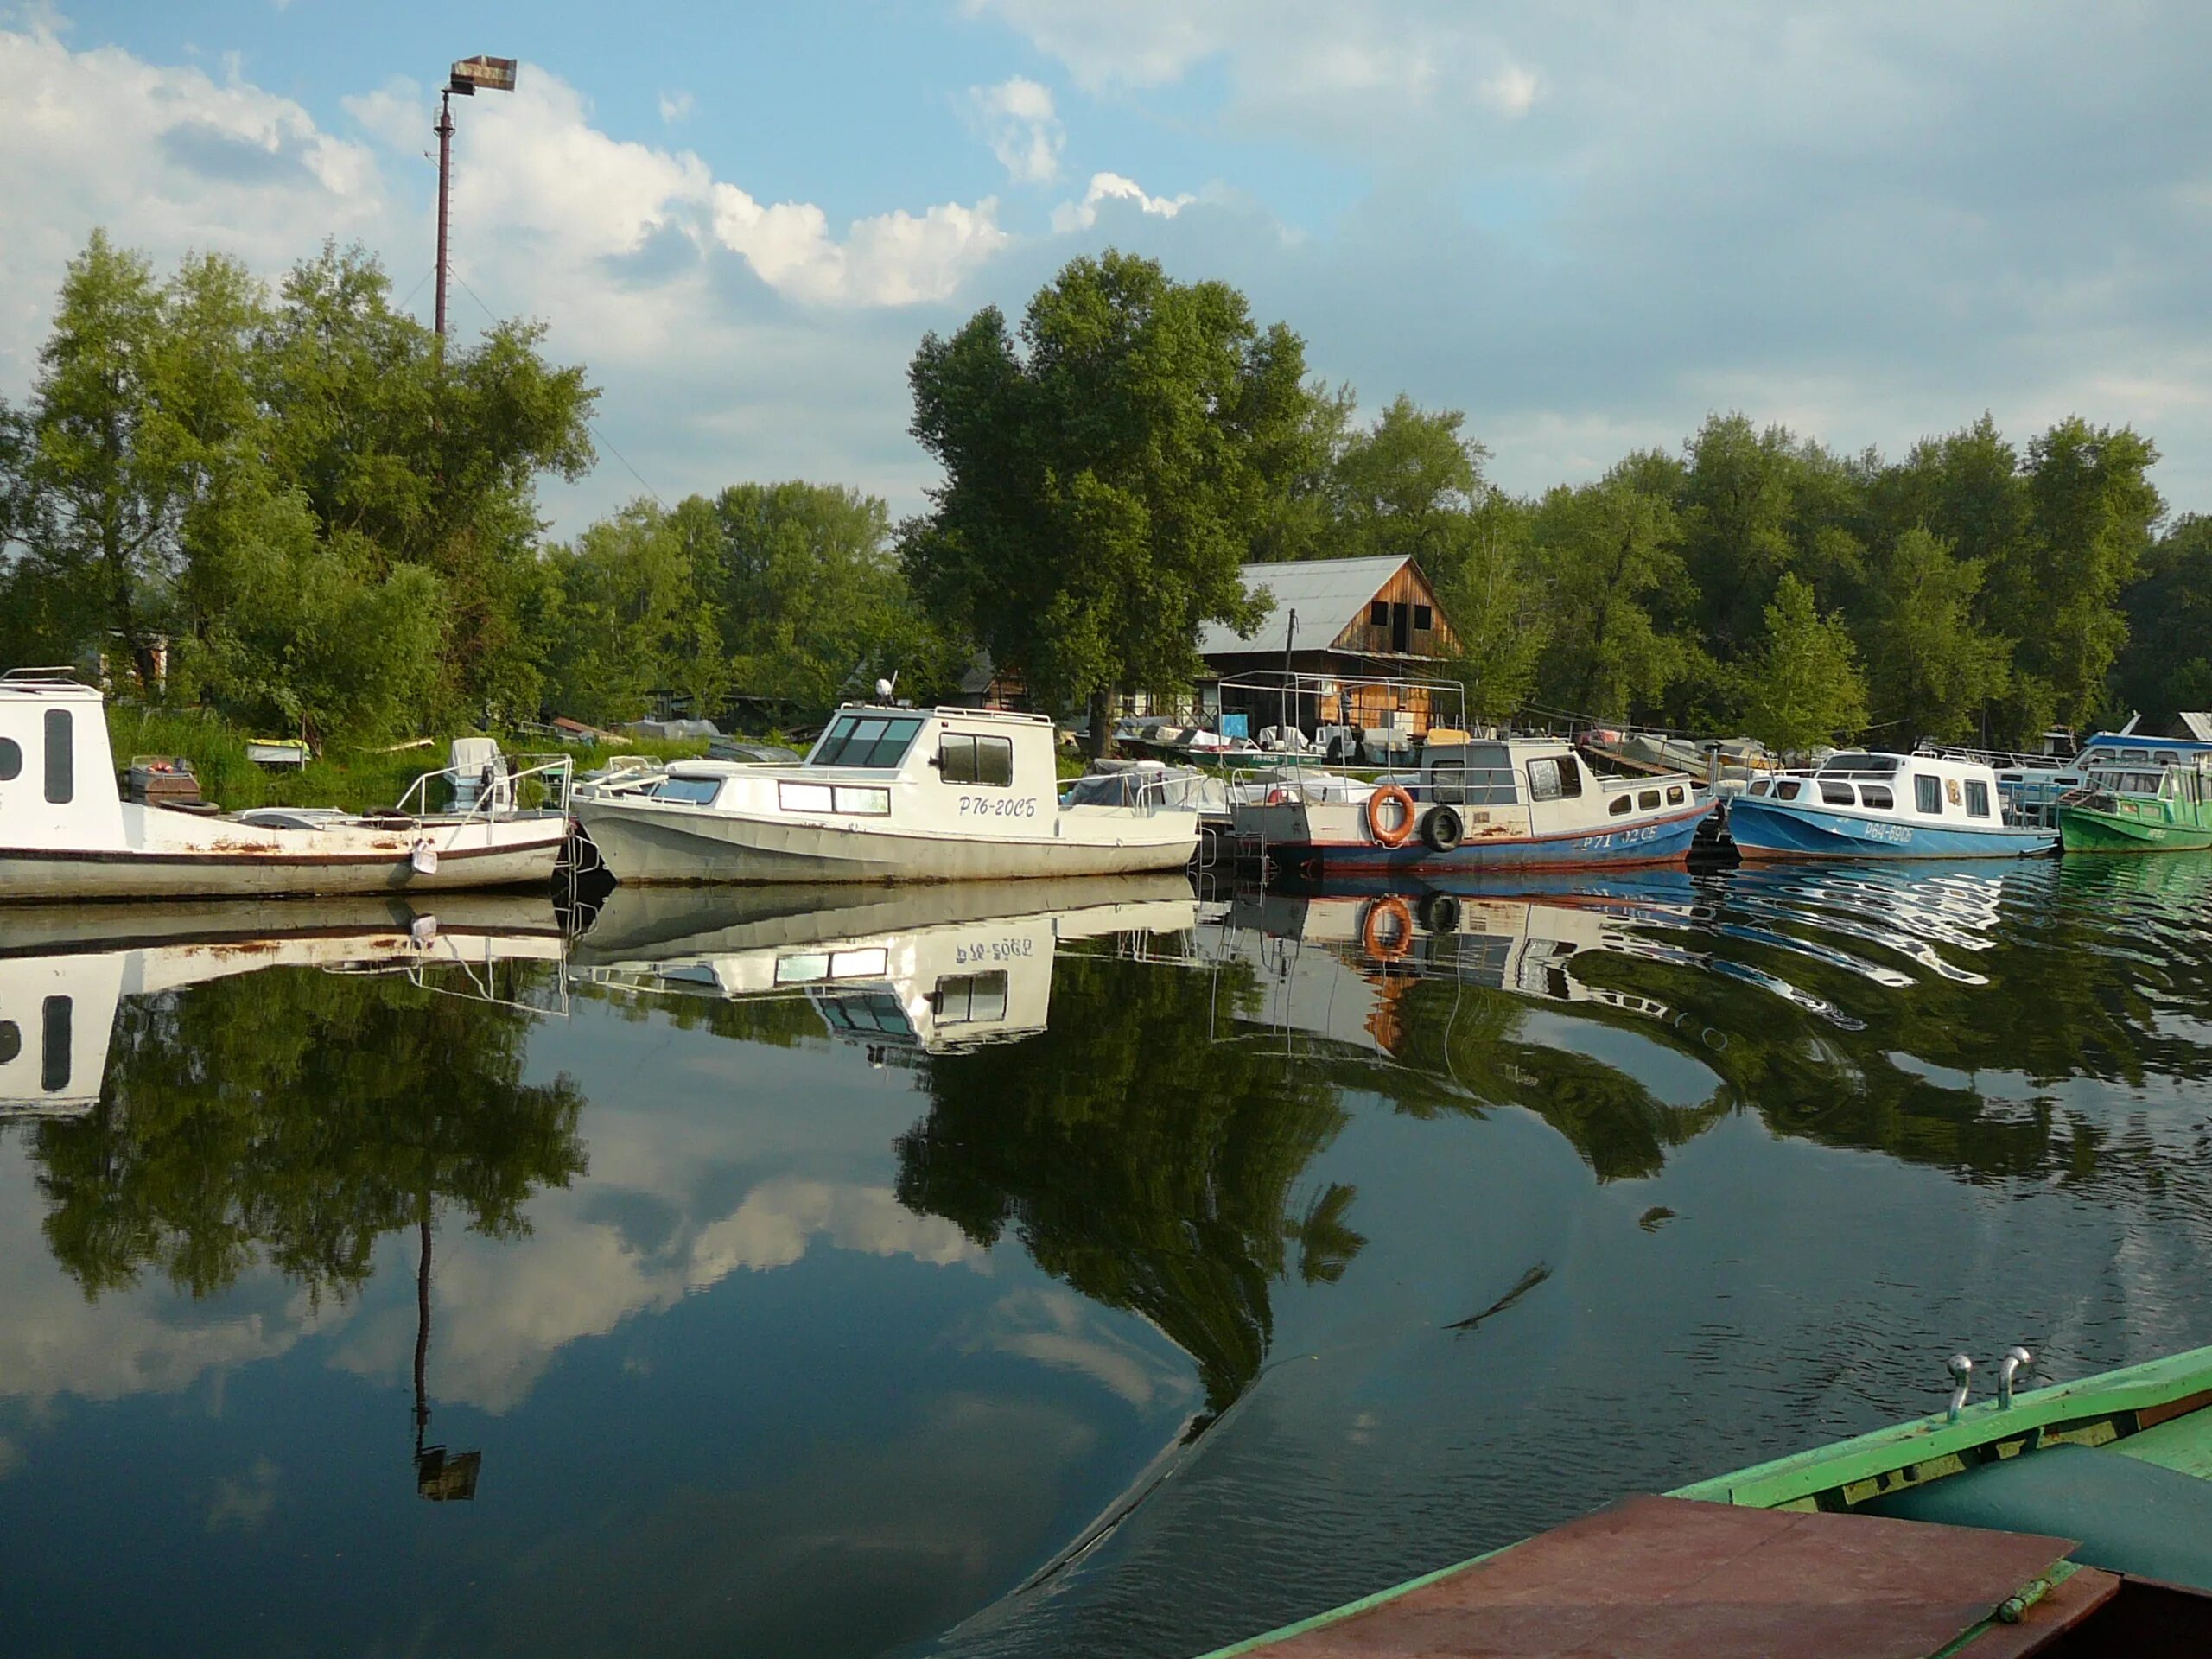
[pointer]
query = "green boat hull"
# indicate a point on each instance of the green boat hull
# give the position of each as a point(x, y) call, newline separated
point(2086, 829)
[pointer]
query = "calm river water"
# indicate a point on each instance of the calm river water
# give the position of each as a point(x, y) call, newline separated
point(1046, 1269)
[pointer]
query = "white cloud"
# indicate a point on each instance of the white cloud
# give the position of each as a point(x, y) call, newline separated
point(896, 258)
point(1112, 186)
point(1016, 118)
point(1512, 92)
point(676, 106)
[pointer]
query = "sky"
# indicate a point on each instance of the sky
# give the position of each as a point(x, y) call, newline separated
point(1587, 226)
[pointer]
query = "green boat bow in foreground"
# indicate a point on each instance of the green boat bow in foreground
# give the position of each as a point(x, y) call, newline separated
point(2071, 1520)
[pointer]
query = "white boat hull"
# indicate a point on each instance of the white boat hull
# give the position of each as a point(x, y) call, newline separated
point(502, 854)
point(647, 841)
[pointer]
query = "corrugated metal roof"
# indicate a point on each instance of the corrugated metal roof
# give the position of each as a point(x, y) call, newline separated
point(1326, 594)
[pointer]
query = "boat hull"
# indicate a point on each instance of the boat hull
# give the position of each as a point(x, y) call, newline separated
point(1764, 829)
point(1654, 841)
point(40, 875)
point(643, 841)
point(2085, 829)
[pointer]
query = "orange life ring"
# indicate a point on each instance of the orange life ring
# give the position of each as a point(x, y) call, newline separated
point(1391, 943)
point(1407, 815)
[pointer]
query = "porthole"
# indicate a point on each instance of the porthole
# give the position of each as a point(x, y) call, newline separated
point(11, 759)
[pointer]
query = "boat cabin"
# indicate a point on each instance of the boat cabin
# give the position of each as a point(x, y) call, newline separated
point(924, 769)
point(1914, 788)
point(57, 773)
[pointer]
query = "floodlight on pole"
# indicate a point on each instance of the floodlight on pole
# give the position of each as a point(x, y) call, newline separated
point(470, 76)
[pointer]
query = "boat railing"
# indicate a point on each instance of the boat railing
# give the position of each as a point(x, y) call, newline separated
point(503, 795)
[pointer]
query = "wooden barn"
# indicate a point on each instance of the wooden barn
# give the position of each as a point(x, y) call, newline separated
point(1335, 620)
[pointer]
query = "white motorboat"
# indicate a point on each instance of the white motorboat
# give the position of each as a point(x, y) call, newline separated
point(66, 831)
point(887, 794)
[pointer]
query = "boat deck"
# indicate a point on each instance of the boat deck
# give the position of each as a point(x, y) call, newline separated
point(1660, 1577)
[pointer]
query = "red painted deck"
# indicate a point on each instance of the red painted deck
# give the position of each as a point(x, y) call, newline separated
point(1664, 1578)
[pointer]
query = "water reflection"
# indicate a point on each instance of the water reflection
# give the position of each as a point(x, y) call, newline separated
point(1054, 1268)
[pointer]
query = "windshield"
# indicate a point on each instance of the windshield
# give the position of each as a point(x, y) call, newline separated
point(878, 740)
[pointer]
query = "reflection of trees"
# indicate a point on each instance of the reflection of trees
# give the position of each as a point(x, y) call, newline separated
point(299, 1116)
point(785, 1020)
point(1150, 1166)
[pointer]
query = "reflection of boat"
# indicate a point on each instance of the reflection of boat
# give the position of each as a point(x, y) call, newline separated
point(2069, 1520)
point(67, 833)
point(1860, 805)
point(887, 794)
point(62, 976)
point(932, 968)
point(2139, 807)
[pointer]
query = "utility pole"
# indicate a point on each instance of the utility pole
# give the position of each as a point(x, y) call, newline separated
point(445, 175)
point(492, 75)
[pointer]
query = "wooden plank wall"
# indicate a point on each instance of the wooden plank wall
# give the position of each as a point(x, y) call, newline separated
point(1405, 588)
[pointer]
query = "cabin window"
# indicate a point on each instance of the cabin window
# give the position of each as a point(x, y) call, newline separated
point(1760, 785)
point(1976, 799)
point(1424, 619)
point(1554, 778)
point(1617, 806)
point(1479, 775)
point(11, 759)
point(811, 967)
point(806, 797)
point(1674, 796)
point(2166, 758)
point(2135, 755)
point(60, 757)
point(695, 792)
point(961, 758)
point(1787, 788)
point(863, 803)
point(54, 1064)
point(877, 741)
point(1378, 614)
point(11, 1040)
point(1837, 794)
point(1928, 794)
point(1877, 795)
point(875, 1014)
point(1647, 801)
point(962, 999)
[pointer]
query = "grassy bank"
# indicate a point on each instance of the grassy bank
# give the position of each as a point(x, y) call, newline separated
point(354, 779)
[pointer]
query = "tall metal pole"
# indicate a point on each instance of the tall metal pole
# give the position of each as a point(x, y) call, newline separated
point(445, 172)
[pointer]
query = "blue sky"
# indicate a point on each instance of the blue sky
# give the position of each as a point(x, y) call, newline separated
point(1587, 226)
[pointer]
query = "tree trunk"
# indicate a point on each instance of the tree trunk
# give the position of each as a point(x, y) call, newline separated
point(1100, 742)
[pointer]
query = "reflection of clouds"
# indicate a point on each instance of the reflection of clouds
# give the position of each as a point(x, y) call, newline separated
point(246, 1503)
point(10, 1457)
point(52, 1340)
point(1058, 1328)
point(503, 1311)
point(778, 1220)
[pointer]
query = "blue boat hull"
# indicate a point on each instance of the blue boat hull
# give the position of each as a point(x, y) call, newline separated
point(1769, 829)
point(1658, 841)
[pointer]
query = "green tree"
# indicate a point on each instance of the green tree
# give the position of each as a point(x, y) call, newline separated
point(1500, 613)
point(430, 456)
point(1607, 552)
point(2167, 667)
point(111, 489)
point(814, 605)
point(1931, 669)
point(635, 612)
point(1105, 477)
point(2091, 509)
point(1803, 687)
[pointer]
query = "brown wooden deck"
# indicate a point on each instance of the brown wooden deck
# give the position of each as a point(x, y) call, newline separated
point(1664, 1578)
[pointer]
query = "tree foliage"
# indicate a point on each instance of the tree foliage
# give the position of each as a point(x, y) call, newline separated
point(1803, 686)
point(1106, 472)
